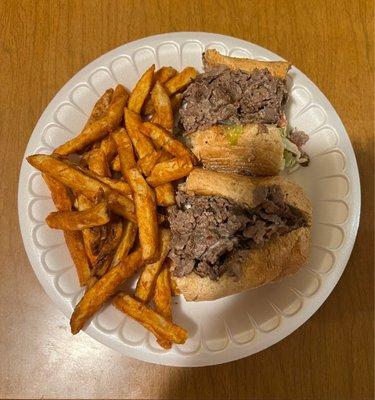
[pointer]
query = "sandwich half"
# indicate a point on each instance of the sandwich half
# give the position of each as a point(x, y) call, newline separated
point(232, 232)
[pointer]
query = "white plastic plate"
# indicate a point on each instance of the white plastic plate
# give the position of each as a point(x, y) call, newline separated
point(239, 325)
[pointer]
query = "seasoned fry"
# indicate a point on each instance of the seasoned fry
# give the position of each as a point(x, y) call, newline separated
point(100, 107)
point(73, 239)
point(164, 74)
point(90, 236)
point(146, 281)
point(108, 248)
point(169, 171)
point(124, 149)
point(147, 163)
point(78, 220)
point(115, 164)
point(176, 101)
point(104, 289)
point(74, 242)
point(142, 144)
point(163, 109)
point(100, 128)
point(116, 184)
point(165, 195)
point(59, 193)
point(80, 182)
point(108, 147)
point(129, 234)
point(141, 90)
point(145, 207)
point(161, 138)
point(97, 162)
point(162, 295)
point(181, 80)
point(152, 321)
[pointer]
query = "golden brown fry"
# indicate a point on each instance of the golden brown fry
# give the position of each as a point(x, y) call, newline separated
point(146, 281)
point(103, 290)
point(108, 248)
point(145, 207)
point(73, 239)
point(78, 220)
point(91, 282)
point(147, 163)
point(163, 295)
point(80, 182)
point(176, 101)
point(74, 242)
point(165, 195)
point(100, 128)
point(116, 184)
point(152, 321)
point(127, 241)
point(164, 74)
point(181, 80)
point(124, 149)
point(142, 144)
point(97, 163)
point(162, 138)
point(100, 107)
point(108, 147)
point(59, 193)
point(115, 164)
point(169, 171)
point(141, 90)
point(90, 236)
point(163, 109)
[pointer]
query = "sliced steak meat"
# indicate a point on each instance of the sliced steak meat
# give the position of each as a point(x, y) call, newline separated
point(207, 231)
point(232, 97)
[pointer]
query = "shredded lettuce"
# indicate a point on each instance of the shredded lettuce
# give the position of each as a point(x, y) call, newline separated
point(292, 155)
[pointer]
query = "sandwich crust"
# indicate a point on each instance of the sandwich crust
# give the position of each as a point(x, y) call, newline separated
point(278, 257)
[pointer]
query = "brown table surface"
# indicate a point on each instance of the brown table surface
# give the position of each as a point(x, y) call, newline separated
point(42, 45)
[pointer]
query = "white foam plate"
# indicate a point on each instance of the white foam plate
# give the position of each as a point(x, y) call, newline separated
point(239, 325)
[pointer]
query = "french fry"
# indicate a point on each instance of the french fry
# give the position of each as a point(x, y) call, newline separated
point(76, 248)
point(146, 281)
point(147, 163)
point(90, 236)
point(162, 300)
point(108, 248)
point(59, 193)
point(164, 74)
point(108, 147)
point(116, 184)
point(161, 219)
point(142, 144)
point(91, 282)
point(124, 149)
point(80, 182)
point(145, 207)
point(162, 138)
point(181, 80)
point(78, 220)
point(141, 90)
point(104, 289)
point(100, 128)
point(127, 241)
point(161, 75)
point(97, 162)
point(100, 107)
point(165, 195)
point(152, 321)
point(176, 101)
point(163, 109)
point(115, 164)
point(169, 171)
point(73, 239)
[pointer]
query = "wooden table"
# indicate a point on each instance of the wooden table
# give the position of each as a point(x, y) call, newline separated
point(42, 45)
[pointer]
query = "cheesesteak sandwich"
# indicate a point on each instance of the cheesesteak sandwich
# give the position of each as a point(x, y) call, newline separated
point(232, 232)
point(233, 116)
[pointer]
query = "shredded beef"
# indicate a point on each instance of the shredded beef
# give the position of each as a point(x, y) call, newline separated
point(299, 138)
point(206, 230)
point(232, 97)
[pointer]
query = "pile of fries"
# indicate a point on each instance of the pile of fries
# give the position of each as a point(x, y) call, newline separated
point(110, 204)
